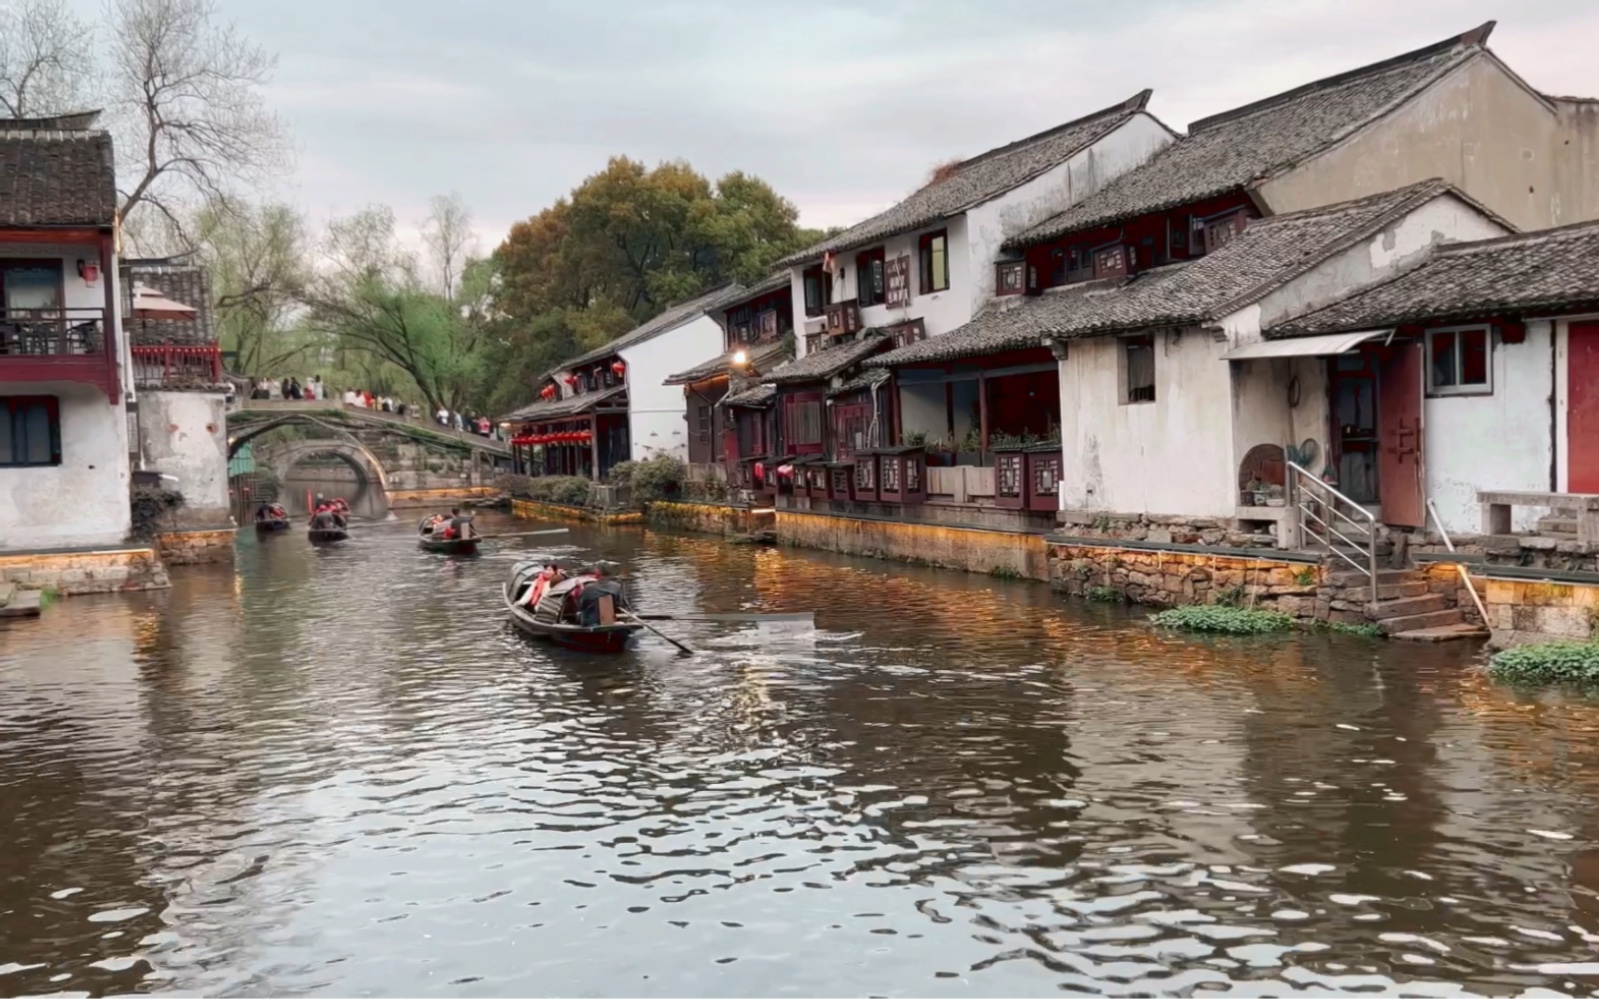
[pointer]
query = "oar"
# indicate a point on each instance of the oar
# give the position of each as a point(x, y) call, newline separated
point(733, 618)
point(522, 534)
point(669, 638)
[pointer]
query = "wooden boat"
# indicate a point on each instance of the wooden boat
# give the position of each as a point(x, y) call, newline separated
point(328, 535)
point(603, 638)
point(448, 546)
point(272, 525)
point(432, 542)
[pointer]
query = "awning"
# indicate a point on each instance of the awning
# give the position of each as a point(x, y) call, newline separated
point(1303, 346)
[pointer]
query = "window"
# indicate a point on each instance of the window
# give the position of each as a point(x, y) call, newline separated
point(703, 420)
point(906, 334)
point(1457, 361)
point(1009, 276)
point(870, 273)
point(935, 262)
point(1138, 368)
point(818, 291)
point(30, 431)
point(741, 324)
point(31, 285)
point(804, 421)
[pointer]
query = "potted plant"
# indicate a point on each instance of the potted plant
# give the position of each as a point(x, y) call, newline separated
point(969, 449)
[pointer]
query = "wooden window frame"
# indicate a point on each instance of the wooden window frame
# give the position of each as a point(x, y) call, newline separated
point(924, 254)
point(824, 290)
point(1010, 277)
point(791, 406)
point(11, 404)
point(1131, 396)
point(38, 263)
point(871, 264)
point(1460, 388)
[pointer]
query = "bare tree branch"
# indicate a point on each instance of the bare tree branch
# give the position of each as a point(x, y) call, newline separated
point(449, 240)
point(47, 63)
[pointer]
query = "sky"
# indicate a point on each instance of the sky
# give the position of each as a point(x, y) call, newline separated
point(843, 107)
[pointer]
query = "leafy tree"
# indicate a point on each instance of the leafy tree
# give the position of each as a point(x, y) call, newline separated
point(259, 259)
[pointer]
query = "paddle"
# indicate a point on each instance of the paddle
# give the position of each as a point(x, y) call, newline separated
point(659, 632)
point(521, 534)
point(733, 618)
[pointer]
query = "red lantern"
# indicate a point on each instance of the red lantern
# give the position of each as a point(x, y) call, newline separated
point(618, 368)
point(548, 392)
point(570, 379)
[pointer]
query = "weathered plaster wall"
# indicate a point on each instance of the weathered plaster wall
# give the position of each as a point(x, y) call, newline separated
point(657, 413)
point(1502, 441)
point(1170, 456)
point(1579, 169)
point(82, 501)
point(1477, 128)
point(185, 435)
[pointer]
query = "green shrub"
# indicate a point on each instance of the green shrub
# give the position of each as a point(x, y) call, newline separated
point(568, 490)
point(1363, 630)
point(1223, 620)
point(1549, 662)
point(659, 478)
point(621, 473)
point(1104, 595)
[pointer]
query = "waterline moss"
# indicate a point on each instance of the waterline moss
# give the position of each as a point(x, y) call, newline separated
point(1548, 662)
point(1221, 620)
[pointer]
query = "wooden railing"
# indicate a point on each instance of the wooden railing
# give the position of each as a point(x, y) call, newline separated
point(169, 363)
point(52, 332)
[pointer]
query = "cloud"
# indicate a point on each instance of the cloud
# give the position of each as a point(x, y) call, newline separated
point(842, 106)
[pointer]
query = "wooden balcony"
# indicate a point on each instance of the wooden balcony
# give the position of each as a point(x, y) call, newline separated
point(177, 365)
point(59, 345)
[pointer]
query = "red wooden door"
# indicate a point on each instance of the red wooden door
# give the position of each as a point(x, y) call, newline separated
point(1582, 408)
point(1399, 476)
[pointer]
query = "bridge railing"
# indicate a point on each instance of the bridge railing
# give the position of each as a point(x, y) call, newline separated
point(419, 420)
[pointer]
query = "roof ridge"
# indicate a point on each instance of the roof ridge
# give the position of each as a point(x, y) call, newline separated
point(1131, 105)
point(1475, 39)
point(1553, 232)
point(67, 121)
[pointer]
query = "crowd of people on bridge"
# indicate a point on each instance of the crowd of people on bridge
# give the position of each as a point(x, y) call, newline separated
point(313, 388)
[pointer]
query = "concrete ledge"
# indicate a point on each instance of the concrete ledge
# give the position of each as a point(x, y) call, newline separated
point(85, 570)
point(950, 546)
point(880, 519)
point(1223, 551)
point(1479, 566)
point(530, 510)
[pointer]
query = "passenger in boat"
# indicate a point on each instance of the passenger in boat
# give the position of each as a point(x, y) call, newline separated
point(591, 595)
point(551, 573)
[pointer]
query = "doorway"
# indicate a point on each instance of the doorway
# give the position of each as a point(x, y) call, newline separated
point(1376, 403)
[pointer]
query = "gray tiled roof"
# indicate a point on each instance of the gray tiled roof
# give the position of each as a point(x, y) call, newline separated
point(870, 378)
point(823, 364)
point(673, 317)
point(56, 171)
point(763, 355)
point(1268, 253)
point(980, 179)
point(185, 283)
point(767, 285)
point(757, 397)
point(1232, 150)
point(1533, 272)
point(555, 409)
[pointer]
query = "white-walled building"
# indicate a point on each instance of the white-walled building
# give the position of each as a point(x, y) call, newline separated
point(64, 442)
point(610, 404)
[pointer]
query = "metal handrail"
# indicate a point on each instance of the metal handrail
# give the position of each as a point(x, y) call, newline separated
point(1465, 577)
point(1305, 489)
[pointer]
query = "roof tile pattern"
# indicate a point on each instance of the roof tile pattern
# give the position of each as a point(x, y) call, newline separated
point(673, 317)
point(1532, 272)
point(1234, 149)
point(980, 179)
point(762, 355)
point(1268, 253)
point(826, 363)
point(55, 176)
point(555, 409)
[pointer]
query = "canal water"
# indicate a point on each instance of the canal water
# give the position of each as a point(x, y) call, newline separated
point(335, 770)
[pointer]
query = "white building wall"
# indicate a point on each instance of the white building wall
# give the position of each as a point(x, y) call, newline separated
point(82, 501)
point(185, 435)
point(657, 414)
point(1502, 441)
point(1170, 456)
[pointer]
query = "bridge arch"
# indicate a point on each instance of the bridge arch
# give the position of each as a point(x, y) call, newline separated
point(286, 454)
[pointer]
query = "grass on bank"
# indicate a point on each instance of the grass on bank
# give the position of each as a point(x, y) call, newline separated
point(1222, 620)
point(1549, 662)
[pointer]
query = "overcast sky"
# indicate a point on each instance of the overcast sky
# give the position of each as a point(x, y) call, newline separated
point(842, 107)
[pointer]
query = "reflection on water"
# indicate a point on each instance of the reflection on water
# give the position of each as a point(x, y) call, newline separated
point(337, 771)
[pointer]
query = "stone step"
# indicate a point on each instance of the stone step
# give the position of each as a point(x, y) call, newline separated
point(1398, 591)
point(1419, 622)
point(23, 603)
point(1408, 607)
point(6, 590)
point(1557, 525)
point(1385, 577)
point(1445, 633)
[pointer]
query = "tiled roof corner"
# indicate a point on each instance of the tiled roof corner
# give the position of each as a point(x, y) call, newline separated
point(669, 319)
point(1236, 148)
point(1545, 271)
point(826, 363)
point(979, 179)
point(56, 172)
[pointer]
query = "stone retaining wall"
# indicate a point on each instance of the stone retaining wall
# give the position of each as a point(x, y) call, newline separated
point(530, 510)
point(1006, 553)
point(1525, 612)
point(1165, 578)
point(405, 499)
point(78, 572)
point(708, 518)
point(196, 547)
